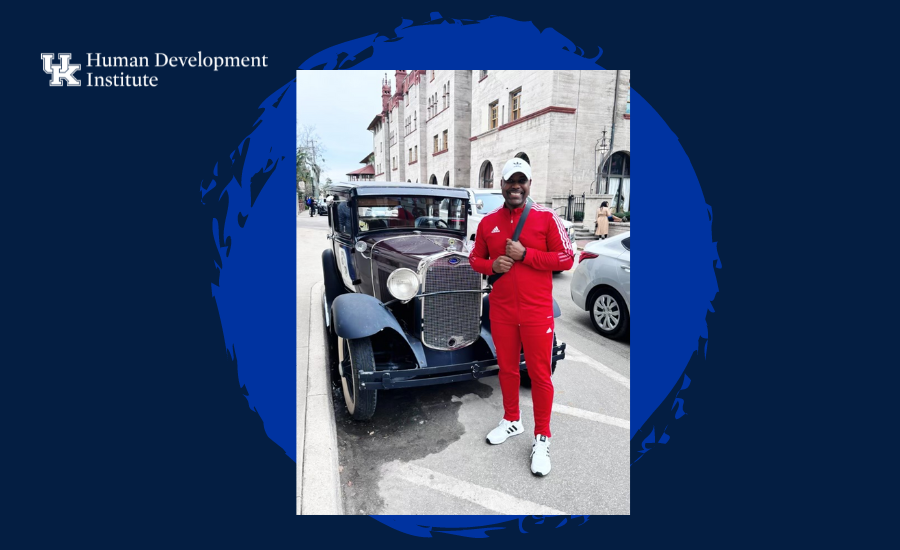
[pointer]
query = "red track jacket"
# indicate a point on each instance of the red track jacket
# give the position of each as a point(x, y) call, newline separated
point(524, 295)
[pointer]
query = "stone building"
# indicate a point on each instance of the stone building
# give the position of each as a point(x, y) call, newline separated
point(458, 128)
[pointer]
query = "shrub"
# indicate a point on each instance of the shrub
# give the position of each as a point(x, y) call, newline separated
point(579, 216)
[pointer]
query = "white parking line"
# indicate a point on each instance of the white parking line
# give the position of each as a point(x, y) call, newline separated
point(501, 503)
point(573, 354)
point(581, 413)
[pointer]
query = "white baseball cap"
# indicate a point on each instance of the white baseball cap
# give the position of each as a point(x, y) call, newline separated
point(514, 165)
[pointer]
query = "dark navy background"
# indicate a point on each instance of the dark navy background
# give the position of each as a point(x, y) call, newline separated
point(125, 418)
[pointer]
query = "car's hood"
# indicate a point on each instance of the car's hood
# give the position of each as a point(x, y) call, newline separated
point(408, 250)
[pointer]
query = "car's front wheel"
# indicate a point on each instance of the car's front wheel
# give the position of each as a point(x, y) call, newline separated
point(355, 356)
point(608, 312)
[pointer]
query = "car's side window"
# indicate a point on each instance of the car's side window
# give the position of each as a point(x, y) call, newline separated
point(626, 242)
point(340, 217)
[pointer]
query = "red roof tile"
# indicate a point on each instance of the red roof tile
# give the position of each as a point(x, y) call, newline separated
point(367, 169)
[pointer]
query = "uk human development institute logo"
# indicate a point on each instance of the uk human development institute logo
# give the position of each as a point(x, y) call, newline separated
point(63, 71)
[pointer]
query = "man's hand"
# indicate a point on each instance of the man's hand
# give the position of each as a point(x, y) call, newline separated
point(503, 264)
point(515, 250)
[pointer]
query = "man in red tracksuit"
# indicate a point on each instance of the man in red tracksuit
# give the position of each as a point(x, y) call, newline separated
point(522, 302)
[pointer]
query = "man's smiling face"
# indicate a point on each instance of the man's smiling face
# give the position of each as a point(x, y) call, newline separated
point(516, 189)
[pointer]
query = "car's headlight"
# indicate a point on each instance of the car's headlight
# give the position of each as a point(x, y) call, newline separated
point(403, 284)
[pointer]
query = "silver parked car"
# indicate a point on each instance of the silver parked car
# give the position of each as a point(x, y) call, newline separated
point(601, 284)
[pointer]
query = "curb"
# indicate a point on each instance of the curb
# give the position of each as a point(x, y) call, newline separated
point(320, 483)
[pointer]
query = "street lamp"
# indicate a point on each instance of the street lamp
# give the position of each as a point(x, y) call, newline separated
point(603, 147)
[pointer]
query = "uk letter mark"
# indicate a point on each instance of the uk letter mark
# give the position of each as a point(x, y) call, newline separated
point(64, 70)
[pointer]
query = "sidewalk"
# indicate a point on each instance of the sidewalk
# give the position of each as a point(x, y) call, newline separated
point(318, 478)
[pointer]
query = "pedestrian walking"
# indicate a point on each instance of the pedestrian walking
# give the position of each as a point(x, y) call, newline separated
point(522, 301)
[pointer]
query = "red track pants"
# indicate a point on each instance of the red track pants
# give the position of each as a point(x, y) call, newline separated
point(538, 343)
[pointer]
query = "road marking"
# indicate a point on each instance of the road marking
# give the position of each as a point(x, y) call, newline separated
point(575, 355)
point(581, 413)
point(501, 503)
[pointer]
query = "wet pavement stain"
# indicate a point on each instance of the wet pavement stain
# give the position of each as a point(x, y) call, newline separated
point(408, 424)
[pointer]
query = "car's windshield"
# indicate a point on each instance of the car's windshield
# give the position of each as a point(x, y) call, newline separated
point(489, 202)
point(411, 212)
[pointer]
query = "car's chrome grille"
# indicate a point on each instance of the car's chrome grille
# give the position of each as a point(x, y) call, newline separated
point(451, 321)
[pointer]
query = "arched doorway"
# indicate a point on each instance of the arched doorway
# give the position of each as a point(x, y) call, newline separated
point(615, 179)
point(524, 157)
point(486, 175)
point(447, 179)
point(433, 180)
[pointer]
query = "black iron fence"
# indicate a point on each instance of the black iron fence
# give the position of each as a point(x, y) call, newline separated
point(574, 209)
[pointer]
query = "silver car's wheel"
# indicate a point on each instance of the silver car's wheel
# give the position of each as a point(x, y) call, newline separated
point(608, 312)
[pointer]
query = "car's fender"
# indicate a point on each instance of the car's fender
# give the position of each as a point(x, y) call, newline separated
point(360, 315)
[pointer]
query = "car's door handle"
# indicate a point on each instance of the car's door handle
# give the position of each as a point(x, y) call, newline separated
point(626, 268)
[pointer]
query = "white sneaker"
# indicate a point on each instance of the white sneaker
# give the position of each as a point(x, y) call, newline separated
point(540, 455)
point(504, 431)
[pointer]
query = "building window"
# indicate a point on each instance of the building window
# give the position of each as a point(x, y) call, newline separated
point(416, 152)
point(615, 175)
point(447, 179)
point(448, 95)
point(436, 149)
point(524, 157)
point(487, 175)
point(446, 141)
point(433, 180)
point(414, 120)
point(483, 75)
point(494, 114)
point(410, 154)
point(515, 104)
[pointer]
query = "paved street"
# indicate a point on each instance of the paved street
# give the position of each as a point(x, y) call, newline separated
point(424, 452)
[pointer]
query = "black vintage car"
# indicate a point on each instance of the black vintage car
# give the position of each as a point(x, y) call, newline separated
point(403, 308)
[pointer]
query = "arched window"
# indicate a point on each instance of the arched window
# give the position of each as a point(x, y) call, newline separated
point(486, 177)
point(433, 180)
point(408, 181)
point(447, 179)
point(524, 157)
point(615, 174)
